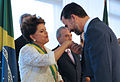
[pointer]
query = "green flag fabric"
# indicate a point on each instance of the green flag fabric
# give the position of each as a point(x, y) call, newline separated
point(105, 13)
point(8, 66)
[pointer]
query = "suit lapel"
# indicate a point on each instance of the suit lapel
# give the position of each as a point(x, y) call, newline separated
point(76, 58)
point(67, 58)
point(73, 57)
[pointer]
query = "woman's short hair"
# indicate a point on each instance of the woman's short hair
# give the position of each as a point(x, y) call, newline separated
point(29, 26)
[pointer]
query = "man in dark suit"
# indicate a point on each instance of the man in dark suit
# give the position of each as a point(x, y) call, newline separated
point(69, 66)
point(101, 49)
point(20, 41)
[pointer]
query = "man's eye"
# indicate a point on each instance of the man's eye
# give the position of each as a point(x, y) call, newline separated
point(66, 26)
point(66, 35)
point(41, 31)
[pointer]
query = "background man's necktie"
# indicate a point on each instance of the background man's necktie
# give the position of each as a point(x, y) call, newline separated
point(82, 39)
point(70, 55)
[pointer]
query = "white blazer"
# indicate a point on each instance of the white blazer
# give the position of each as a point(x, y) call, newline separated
point(34, 67)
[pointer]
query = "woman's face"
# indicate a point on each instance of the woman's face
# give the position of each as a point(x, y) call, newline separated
point(41, 35)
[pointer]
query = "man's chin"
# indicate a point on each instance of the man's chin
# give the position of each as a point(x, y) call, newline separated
point(77, 32)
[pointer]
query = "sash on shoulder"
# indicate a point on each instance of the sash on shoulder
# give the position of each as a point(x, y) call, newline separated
point(53, 68)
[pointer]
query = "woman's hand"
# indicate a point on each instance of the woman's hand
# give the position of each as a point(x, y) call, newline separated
point(60, 50)
point(67, 43)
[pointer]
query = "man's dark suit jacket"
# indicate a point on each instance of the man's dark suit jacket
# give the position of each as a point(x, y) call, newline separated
point(19, 43)
point(69, 71)
point(101, 53)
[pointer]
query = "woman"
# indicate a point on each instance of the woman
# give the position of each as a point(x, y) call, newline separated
point(36, 62)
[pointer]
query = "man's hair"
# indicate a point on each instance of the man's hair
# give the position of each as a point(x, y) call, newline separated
point(23, 16)
point(72, 8)
point(58, 33)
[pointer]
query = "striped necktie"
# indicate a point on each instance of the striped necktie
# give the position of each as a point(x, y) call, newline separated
point(70, 55)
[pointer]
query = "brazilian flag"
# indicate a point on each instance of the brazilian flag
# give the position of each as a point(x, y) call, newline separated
point(105, 13)
point(8, 66)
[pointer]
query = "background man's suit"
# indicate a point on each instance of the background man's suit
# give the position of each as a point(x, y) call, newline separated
point(101, 53)
point(70, 72)
point(19, 43)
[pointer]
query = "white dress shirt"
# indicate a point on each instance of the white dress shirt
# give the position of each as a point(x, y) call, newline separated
point(34, 67)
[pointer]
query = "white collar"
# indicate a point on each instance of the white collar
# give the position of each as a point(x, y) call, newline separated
point(86, 24)
point(68, 49)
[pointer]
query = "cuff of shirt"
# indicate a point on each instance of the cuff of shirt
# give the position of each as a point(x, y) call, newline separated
point(52, 57)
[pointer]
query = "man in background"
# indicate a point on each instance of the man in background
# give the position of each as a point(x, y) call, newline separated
point(20, 41)
point(69, 64)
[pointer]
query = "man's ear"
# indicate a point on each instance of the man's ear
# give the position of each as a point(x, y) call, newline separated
point(73, 17)
point(58, 38)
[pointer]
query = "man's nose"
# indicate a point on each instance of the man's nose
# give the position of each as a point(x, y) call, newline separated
point(70, 38)
point(68, 28)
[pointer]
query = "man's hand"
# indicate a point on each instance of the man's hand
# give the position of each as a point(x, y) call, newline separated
point(61, 81)
point(77, 49)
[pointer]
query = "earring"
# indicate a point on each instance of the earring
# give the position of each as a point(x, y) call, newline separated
point(34, 40)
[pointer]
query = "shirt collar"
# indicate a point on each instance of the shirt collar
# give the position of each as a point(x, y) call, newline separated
point(68, 49)
point(86, 24)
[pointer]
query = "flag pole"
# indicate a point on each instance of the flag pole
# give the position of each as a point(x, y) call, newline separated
point(105, 13)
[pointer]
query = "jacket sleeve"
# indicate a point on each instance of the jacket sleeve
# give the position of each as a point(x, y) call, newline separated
point(30, 56)
point(99, 56)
